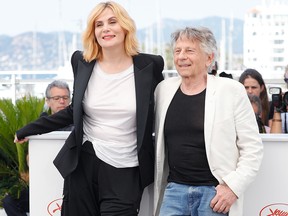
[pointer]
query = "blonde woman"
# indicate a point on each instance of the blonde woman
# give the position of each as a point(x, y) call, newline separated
point(108, 158)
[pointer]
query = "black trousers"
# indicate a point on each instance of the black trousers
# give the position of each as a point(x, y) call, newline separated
point(17, 207)
point(97, 189)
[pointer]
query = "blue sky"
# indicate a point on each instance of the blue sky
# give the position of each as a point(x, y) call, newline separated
point(17, 16)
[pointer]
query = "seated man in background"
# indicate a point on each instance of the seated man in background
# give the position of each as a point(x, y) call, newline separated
point(57, 96)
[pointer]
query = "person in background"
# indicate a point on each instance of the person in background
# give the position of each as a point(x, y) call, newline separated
point(256, 104)
point(57, 97)
point(254, 84)
point(18, 206)
point(286, 76)
point(224, 74)
point(108, 159)
point(214, 69)
point(279, 115)
point(208, 148)
point(284, 116)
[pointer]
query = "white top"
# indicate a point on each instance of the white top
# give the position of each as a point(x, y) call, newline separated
point(110, 117)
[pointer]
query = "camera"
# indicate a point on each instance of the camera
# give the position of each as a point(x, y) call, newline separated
point(279, 100)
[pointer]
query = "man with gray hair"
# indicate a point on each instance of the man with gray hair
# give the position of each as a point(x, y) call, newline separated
point(57, 96)
point(208, 148)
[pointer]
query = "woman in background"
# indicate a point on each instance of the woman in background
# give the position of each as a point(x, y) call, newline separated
point(254, 84)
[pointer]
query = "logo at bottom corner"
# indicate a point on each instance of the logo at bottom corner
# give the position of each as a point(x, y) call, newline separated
point(275, 209)
point(54, 207)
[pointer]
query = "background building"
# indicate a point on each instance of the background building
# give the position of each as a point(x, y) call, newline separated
point(265, 42)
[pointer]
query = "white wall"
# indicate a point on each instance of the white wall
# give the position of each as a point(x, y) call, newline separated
point(269, 188)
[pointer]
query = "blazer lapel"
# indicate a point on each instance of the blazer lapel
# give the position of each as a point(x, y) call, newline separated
point(84, 72)
point(209, 112)
point(143, 84)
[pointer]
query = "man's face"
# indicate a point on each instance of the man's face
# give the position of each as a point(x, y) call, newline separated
point(189, 59)
point(58, 100)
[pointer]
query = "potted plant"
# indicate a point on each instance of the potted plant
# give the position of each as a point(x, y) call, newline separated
point(14, 172)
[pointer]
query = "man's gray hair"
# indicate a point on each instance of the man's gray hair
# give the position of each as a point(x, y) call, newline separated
point(203, 35)
point(56, 83)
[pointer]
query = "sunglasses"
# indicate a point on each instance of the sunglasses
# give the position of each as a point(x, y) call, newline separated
point(286, 80)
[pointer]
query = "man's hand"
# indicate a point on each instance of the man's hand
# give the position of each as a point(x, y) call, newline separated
point(223, 199)
point(20, 141)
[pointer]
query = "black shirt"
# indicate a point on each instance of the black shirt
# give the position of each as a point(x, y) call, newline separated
point(184, 138)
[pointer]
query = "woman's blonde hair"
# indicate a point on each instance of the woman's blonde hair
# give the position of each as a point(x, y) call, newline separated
point(92, 49)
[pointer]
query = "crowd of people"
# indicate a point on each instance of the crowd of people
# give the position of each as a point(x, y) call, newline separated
point(207, 142)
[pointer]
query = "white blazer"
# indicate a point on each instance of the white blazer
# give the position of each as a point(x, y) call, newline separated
point(233, 145)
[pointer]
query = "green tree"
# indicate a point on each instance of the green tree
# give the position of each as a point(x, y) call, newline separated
point(14, 171)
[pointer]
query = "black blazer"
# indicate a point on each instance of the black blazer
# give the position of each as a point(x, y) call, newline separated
point(147, 72)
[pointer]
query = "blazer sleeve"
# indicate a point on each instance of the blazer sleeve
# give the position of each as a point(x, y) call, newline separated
point(46, 124)
point(248, 142)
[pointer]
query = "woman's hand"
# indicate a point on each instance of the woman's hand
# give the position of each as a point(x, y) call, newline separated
point(20, 141)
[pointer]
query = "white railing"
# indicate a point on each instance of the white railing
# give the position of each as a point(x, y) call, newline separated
point(13, 86)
